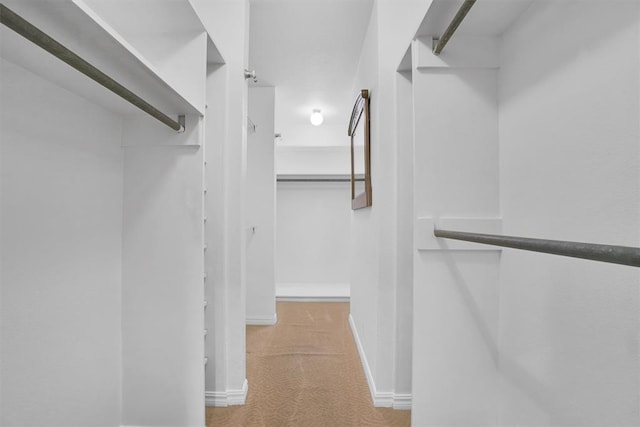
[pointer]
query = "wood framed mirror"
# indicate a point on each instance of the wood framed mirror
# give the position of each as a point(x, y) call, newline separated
point(359, 131)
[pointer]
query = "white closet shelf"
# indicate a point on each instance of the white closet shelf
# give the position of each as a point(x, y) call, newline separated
point(486, 18)
point(76, 26)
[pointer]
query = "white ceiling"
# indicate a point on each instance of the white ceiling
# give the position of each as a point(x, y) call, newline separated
point(309, 50)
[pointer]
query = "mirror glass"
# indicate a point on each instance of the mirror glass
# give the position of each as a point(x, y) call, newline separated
point(359, 132)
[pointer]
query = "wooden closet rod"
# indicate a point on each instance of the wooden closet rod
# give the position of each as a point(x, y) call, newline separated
point(36, 36)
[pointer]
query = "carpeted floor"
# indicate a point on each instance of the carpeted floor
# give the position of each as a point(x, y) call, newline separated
point(305, 371)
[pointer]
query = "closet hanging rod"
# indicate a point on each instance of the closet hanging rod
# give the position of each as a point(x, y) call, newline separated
point(453, 26)
point(316, 179)
point(38, 37)
point(625, 255)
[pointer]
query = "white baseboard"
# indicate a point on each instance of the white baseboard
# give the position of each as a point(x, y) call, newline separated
point(258, 321)
point(381, 399)
point(313, 292)
point(227, 398)
point(402, 401)
point(127, 425)
point(384, 400)
point(313, 299)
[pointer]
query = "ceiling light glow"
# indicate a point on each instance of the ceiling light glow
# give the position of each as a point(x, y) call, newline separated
point(316, 118)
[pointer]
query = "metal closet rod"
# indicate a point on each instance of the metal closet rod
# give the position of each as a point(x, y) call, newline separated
point(36, 36)
point(625, 255)
point(453, 26)
point(317, 179)
point(314, 180)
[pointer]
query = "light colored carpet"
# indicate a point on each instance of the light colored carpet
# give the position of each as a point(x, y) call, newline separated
point(305, 371)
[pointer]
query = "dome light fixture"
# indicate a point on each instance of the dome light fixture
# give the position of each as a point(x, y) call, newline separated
point(316, 118)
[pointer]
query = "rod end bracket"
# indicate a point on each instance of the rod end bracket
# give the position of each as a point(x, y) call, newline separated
point(182, 121)
point(434, 46)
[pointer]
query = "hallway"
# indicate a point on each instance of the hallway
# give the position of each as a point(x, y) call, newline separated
point(305, 371)
point(462, 222)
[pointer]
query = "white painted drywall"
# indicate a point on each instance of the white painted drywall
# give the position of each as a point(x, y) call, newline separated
point(313, 160)
point(301, 133)
point(106, 295)
point(215, 288)
point(60, 255)
point(455, 292)
point(570, 170)
point(405, 246)
point(261, 208)
point(543, 340)
point(162, 284)
point(312, 238)
point(374, 243)
point(364, 253)
point(227, 23)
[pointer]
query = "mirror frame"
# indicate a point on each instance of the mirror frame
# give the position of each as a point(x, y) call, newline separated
point(362, 200)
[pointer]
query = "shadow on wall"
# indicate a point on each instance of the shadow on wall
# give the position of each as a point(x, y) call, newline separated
point(507, 368)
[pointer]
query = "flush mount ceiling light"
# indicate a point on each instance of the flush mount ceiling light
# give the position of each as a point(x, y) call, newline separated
point(316, 118)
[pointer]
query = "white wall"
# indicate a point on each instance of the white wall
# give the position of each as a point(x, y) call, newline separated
point(306, 135)
point(227, 23)
point(312, 255)
point(61, 223)
point(550, 144)
point(374, 243)
point(102, 251)
point(313, 160)
point(570, 169)
point(313, 220)
point(261, 209)
point(217, 312)
point(405, 247)
point(162, 285)
point(455, 290)
point(364, 254)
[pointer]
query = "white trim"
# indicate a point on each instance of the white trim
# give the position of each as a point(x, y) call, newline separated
point(383, 399)
point(227, 398)
point(380, 399)
point(129, 425)
point(402, 401)
point(313, 292)
point(363, 358)
point(313, 299)
point(258, 321)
